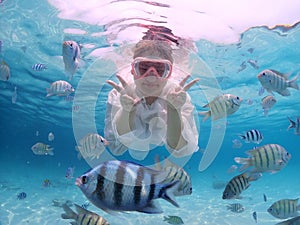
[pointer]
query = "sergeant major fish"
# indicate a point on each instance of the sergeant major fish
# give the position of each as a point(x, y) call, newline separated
point(83, 216)
point(60, 88)
point(175, 220)
point(236, 207)
point(39, 67)
point(91, 146)
point(284, 208)
point(125, 186)
point(238, 184)
point(175, 173)
point(254, 136)
point(295, 124)
point(273, 80)
point(71, 56)
point(267, 103)
point(267, 158)
point(42, 149)
point(222, 106)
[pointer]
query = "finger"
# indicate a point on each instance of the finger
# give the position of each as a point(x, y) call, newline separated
point(123, 82)
point(114, 85)
point(186, 87)
point(184, 80)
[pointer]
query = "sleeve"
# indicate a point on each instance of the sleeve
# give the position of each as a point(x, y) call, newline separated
point(189, 131)
point(112, 107)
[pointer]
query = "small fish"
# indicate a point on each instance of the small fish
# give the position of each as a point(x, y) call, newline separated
point(37, 133)
point(46, 183)
point(237, 143)
point(51, 136)
point(222, 106)
point(242, 66)
point(273, 80)
point(175, 173)
point(83, 216)
point(265, 198)
point(91, 146)
point(254, 215)
point(253, 63)
point(71, 56)
point(267, 158)
point(14, 96)
point(60, 88)
point(70, 172)
point(254, 136)
point(4, 71)
point(39, 67)
point(232, 169)
point(238, 184)
point(293, 221)
point(175, 220)
point(42, 149)
point(124, 186)
point(267, 103)
point(295, 124)
point(21, 196)
point(284, 208)
point(236, 207)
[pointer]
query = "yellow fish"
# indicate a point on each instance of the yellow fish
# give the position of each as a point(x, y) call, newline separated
point(42, 149)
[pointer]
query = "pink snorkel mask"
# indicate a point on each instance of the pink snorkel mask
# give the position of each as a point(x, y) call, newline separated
point(141, 67)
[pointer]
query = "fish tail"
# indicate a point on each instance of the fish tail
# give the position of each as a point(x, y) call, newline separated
point(242, 136)
point(244, 161)
point(253, 176)
point(167, 191)
point(206, 115)
point(293, 83)
point(50, 151)
point(69, 213)
point(292, 124)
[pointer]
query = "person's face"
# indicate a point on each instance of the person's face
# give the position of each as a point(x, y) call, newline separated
point(150, 75)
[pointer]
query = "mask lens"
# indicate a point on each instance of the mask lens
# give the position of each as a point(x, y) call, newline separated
point(162, 67)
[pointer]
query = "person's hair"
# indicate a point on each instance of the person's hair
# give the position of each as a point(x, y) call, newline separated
point(153, 49)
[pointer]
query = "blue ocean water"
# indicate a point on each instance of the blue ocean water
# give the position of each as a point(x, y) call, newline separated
point(33, 31)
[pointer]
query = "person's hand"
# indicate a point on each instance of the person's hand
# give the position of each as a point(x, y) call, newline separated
point(127, 99)
point(177, 98)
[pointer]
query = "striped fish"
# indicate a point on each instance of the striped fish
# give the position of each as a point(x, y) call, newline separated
point(284, 208)
point(254, 136)
point(42, 149)
point(295, 124)
point(125, 186)
point(83, 216)
point(238, 184)
point(175, 173)
point(267, 158)
point(267, 103)
point(222, 106)
point(60, 88)
point(91, 146)
point(273, 80)
point(293, 221)
point(39, 67)
point(235, 207)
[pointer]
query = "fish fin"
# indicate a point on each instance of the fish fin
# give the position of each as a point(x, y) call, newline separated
point(293, 83)
point(244, 161)
point(151, 208)
point(50, 151)
point(81, 210)
point(285, 76)
point(292, 124)
point(206, 115)
point(206, 106)
point(253, 176)
point(242, 136)
point(48, 92)
point(168, 190)
point(69, 213)
point(285, 92)
point(266, 112)
point(73, 223)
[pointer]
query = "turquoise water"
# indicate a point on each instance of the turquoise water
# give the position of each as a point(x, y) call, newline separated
point(33, 31)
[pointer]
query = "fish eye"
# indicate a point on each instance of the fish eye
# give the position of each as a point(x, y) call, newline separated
point(84, 179)
point(238, 98)
point(263, 73)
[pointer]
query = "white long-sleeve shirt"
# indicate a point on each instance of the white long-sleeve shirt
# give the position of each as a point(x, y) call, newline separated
point(150, 126)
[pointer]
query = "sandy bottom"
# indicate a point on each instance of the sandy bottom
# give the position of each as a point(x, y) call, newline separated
point(204, 206)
